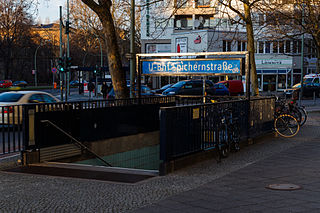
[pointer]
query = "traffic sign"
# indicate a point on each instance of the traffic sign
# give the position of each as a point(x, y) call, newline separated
point(54, 70)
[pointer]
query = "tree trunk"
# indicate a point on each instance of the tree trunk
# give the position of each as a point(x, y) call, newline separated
point(250, 38)
point(118, 75)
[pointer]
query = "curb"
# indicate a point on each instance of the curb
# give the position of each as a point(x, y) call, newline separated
point(10, 161)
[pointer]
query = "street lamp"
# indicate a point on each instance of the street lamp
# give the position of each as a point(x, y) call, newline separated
point(302, 56)
point(132, 48)
point(35, 62)
point(101, 62)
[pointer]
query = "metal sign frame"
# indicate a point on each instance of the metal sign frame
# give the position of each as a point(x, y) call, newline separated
point(192, 73)
point(172, 56)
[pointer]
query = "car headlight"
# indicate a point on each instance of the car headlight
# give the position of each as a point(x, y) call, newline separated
point(171, 93)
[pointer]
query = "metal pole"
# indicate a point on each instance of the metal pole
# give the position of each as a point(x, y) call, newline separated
point(61, 52)
point(68, 55)
point(302, 61)
point(132, 49)
point(35, 65)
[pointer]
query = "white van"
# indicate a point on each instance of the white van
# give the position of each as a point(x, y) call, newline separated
point(312, 79)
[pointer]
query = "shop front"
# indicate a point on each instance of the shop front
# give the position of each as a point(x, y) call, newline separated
point(274, 72)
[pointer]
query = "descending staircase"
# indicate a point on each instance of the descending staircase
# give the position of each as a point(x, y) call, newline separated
point(59, 152)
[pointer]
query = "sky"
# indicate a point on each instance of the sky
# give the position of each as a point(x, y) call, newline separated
point(50, 9)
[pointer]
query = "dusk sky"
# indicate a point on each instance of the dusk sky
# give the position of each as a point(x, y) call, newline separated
point(50, 9)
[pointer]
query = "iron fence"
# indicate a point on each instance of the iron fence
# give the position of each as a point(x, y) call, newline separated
point(17, 127)
point(11, 135)
point(96, 120)
point(194, 128)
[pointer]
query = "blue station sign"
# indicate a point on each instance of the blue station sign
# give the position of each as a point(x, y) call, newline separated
point(230, 66)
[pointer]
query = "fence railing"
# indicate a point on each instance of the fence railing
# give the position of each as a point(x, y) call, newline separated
point(17, 127)
point(193, 128)
point(96, 120)
point(11, 135)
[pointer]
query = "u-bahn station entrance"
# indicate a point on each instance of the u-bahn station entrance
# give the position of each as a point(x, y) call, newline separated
point(138, 137)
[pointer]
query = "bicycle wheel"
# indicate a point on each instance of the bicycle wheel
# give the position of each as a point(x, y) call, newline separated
point(286, 125)
point(304, 115)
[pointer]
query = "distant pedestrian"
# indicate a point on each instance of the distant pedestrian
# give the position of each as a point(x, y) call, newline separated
point(91, 87)
point(104, 90)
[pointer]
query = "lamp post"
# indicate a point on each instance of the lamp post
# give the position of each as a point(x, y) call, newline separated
point(132, 48)
point(302, 55)
point(101, 62)
point(35, 63)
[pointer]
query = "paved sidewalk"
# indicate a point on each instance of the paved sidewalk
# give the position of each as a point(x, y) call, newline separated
point(245, 189)
point(237, 184)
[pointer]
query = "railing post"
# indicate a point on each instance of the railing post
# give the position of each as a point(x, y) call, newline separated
point(163, 142)
point(29, 154)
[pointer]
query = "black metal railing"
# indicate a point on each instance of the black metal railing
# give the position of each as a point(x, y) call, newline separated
point(193, 128)
point(11, 135)
point(98, 119)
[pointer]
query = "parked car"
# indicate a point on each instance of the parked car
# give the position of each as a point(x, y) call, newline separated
point(145, 91)
point(235, 87)
point(74, 83)
point(311, 85)
point(10, 103)
point(5, 83)
point(20, 84)
point(221, 89)
point(190, 87)
point(160, 91)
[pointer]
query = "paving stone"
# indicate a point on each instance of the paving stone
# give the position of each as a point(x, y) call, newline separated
point(236, 185)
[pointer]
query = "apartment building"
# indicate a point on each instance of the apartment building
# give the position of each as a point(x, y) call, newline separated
point(201, 26)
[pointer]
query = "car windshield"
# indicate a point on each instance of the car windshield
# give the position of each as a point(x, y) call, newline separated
point(166, 86)
point(10, 97)
point(179, 84)
point(307, 80)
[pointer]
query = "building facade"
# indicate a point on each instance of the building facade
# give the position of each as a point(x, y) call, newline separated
point(201, 26)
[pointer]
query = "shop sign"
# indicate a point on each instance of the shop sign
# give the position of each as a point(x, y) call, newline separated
point(181, 45)
point(197, 40)
point(274, 63)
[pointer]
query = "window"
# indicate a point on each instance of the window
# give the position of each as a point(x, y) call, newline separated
point(281, 46)
point(204, 20)
point(203, 3)
point(226, 46)
point(268, 47)
point(242, 46)
point(48, 99)
point(181, 3)
point(183, 22)
point(255, 47)
point(261, 46)
point(295, 47)
point(288, 46)
point(299, 46)
point(261, 19)
point(10, 97)
point(35, 98)
point(275, 47)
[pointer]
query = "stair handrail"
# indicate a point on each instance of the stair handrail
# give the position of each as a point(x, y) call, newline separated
point(76, 141)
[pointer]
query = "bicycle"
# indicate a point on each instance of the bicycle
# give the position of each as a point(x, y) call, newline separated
point(228, 134)
point(286, 125)
point(291, 108)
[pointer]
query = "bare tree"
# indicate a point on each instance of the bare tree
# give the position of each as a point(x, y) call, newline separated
point(15, 25)
point(291, 19)
point(103, 10)
point(245, 15)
